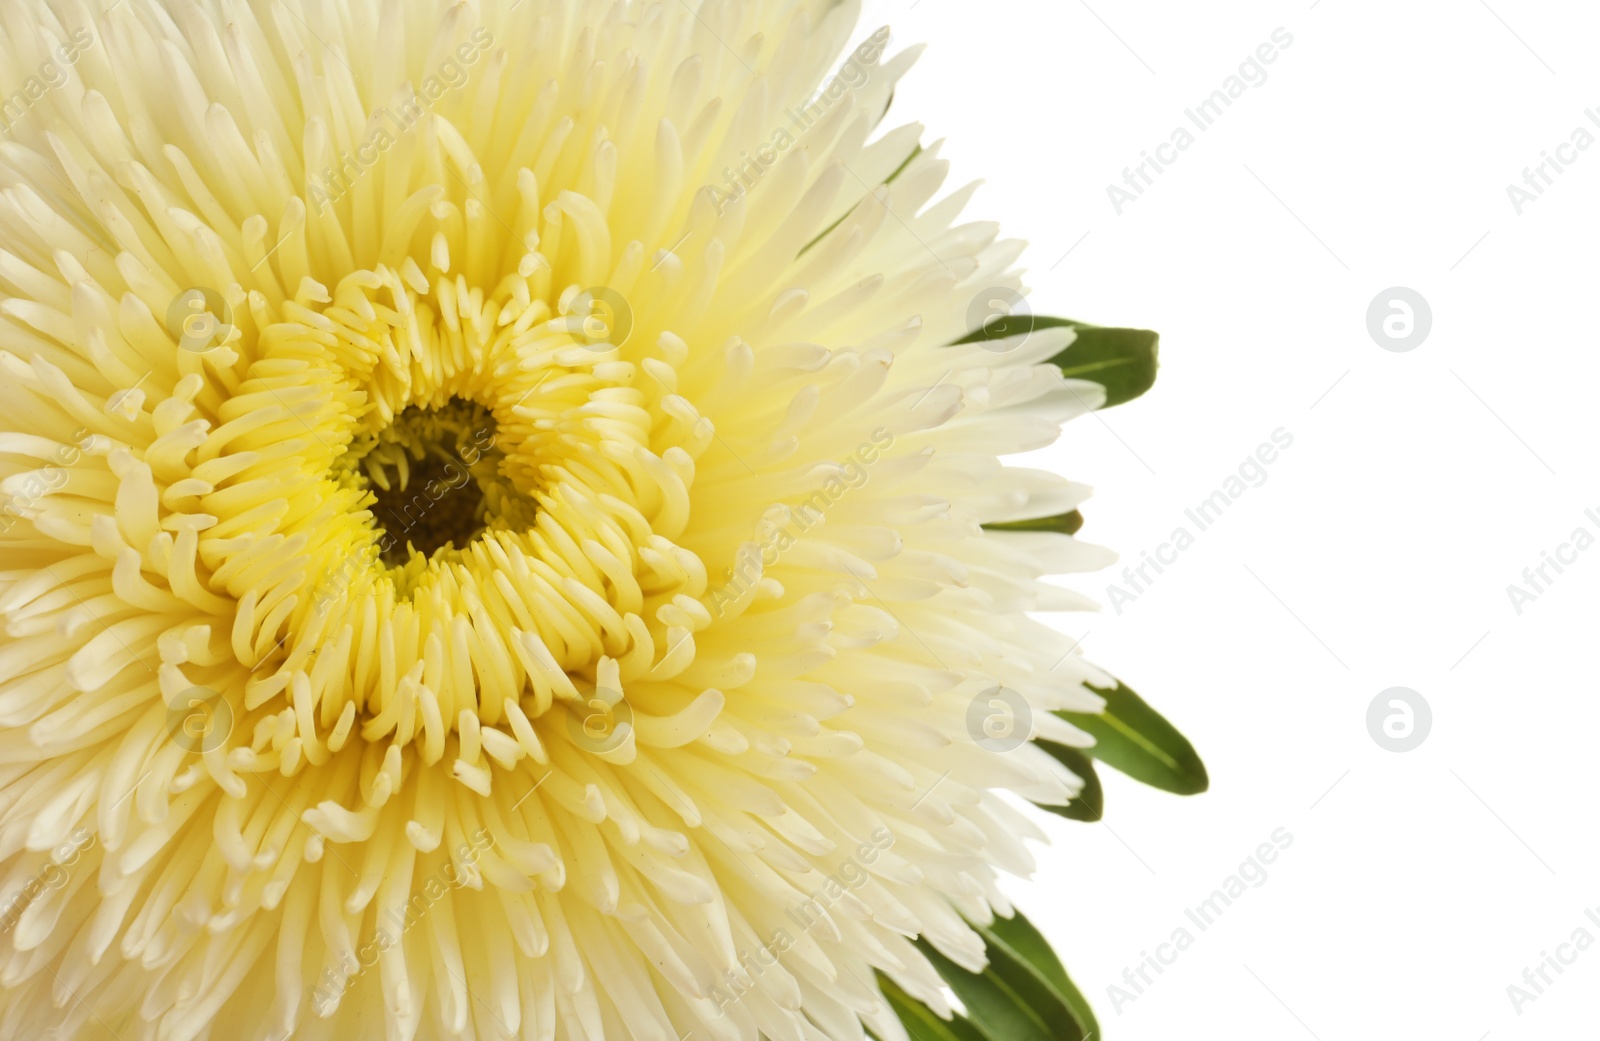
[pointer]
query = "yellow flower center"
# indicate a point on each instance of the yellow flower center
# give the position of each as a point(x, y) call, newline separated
point(481, 495)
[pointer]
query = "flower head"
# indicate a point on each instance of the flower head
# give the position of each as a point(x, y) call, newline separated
point(492, 528)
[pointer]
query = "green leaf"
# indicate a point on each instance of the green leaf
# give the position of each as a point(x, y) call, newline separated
point(902, 167)
point(1011, 1000)
point(1023, 995)
point(1064, 523)
point(921, 1022)
point(1018, 936)
point(1132, 737)
point(1123, 361)
point(1090, 805)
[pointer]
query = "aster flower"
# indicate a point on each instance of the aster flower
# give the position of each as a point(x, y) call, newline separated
point(504, 531)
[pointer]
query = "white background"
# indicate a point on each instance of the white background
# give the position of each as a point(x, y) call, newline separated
point(1379, 551)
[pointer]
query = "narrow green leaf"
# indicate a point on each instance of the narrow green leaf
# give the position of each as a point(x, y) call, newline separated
point(921, 1022)
point(1023, 995)
point(1132, 737)
point(887, 180)
point(1022, 940)
point(1064, 523)
point(902, 167)
point(1123, 361)
point(1090, 805)
point(1014, 1006)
